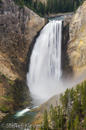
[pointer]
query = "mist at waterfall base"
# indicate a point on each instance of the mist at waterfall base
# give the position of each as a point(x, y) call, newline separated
point(44, 76)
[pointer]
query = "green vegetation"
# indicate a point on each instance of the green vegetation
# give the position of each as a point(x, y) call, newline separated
point(19, 2)
point(51, 7)
point(21, 93)
point(71, 114)
point(4, 108)
point(0, 81)
point(46, 124)
point(11, 82)
point(7, 98)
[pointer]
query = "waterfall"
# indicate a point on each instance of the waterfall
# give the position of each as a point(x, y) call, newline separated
point(45, 61)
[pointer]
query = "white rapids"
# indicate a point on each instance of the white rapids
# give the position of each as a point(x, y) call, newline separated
point(21, 113)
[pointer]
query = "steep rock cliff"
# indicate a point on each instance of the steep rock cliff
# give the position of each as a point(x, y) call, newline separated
point(18, 27)
point(67, 70)
point(77, 41)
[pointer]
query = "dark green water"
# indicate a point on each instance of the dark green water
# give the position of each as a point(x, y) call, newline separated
point(12, 122)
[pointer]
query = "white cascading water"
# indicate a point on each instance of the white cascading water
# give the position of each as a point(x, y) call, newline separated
point(45, 63)
point(21, 113)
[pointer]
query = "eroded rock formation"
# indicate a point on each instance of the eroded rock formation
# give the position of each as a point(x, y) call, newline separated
point(18, 27)
point(77, 41)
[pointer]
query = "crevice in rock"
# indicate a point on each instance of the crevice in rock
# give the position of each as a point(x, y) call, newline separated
point(67, 70)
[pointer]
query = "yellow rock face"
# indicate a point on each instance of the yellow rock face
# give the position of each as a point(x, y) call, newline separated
point(77, 42)
point(80, 44)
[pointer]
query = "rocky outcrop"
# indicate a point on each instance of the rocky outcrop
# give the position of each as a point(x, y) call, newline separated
point(18, 27)
point(67, 19)
point(77, 41)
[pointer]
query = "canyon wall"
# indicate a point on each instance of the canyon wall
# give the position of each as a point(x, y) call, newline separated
point(18, 27)
point(77, 42)
point(74, 44)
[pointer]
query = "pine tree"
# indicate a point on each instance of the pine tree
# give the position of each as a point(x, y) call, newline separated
point(85, 123)
point(46, 123)
point(32, 128)
point(72, 127)
point(35, 5)
point(75, 6)
point(56, 120)
point(41, 8)
point(41, 127)
point(72, 94)
point(83, 99)
point(76, 105)
point(77, 123)
point(68, 125)
point(62, 120)
point(72, 120)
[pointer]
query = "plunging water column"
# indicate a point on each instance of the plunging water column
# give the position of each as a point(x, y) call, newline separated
point(45, 62)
